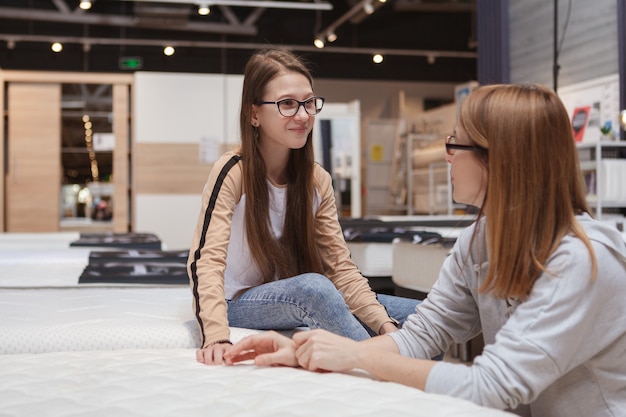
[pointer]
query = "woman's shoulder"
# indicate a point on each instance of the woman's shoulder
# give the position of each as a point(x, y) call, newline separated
point(604, 234)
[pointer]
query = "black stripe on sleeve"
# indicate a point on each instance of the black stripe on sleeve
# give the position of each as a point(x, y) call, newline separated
point(205, 226)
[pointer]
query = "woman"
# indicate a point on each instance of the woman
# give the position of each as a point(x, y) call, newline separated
point(268, 251)
point(542, 280)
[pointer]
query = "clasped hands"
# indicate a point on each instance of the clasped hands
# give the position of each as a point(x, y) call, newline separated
point(315, 350)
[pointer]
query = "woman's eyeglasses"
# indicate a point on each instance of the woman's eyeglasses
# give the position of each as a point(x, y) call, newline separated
point(289, 107)
point(452, 146)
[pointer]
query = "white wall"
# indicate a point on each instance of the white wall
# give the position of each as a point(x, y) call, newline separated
point(180, 109)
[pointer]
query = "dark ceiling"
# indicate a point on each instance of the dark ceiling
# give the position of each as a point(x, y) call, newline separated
point(427, 40)
point(422, 40)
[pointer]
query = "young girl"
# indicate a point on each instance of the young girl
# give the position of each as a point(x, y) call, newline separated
point(542, 280)
point(268, 251)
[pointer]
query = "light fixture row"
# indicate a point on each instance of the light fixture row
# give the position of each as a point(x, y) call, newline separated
point(169, 50)
point(57, 47)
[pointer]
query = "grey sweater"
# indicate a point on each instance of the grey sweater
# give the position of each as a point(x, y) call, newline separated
point(561, 352)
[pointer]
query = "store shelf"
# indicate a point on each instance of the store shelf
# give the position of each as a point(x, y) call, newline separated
point(603, 165)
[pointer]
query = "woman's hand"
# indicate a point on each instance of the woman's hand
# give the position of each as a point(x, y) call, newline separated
point(320, 350)
point(268, 348)
point(214, 354)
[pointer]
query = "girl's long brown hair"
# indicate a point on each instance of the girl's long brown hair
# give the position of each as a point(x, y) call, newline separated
point(535, 187)
point(295, 252)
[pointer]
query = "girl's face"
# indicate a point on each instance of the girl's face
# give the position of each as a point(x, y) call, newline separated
point(278, 131)
point(469, 176)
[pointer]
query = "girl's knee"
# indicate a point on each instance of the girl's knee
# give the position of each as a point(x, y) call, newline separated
point(317, 286)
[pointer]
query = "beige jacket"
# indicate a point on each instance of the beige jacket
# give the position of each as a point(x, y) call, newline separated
point(207, 265)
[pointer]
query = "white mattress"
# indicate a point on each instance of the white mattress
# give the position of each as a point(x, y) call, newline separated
point(169, 382)
point(36, 267)
point(74, 319)
point(61, 267)
point(376, 259)
point(58, 240)
point(416, 267)
point(372, 258)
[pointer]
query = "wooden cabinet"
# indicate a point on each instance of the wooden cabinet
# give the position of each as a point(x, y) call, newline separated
point(30, 158)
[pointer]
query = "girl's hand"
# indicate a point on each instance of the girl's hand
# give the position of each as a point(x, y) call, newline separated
point(268, 348)
point(214, 354)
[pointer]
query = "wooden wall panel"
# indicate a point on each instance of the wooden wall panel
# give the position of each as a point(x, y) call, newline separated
point(121, 169)
point(163, 168)
point(33, 183)
point(2, 156)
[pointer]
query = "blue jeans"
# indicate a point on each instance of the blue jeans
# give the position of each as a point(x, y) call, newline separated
point(309, 300)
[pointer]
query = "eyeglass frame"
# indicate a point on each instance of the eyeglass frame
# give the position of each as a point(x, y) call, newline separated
point(450, 147)
point(300, 104)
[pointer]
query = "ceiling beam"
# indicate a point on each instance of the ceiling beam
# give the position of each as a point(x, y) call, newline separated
point(124, 21)
point(317, 5)
point(442, 6)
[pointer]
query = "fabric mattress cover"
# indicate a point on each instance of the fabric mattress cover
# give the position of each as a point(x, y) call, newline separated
point(169, 382)
point(33, 240)
point(21, 268)
point(73, 319)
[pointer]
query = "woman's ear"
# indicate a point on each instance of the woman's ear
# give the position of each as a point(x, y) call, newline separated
point(254, 118)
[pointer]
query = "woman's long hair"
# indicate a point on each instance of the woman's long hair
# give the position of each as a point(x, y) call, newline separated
point(535, 187)
point(295, 252)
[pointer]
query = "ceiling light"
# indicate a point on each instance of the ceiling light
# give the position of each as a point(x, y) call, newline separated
point(169, 50)
point(85, 4)
point(203, 9)
point(377, 58)
point(56, 47)
point(11, 44)
point(332, 37)
point(368, 8)
point(382, 1)
point(431, 59)
point(319, 43)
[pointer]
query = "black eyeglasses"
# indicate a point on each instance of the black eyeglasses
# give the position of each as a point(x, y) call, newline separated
point(289, 107)
point(451, 146)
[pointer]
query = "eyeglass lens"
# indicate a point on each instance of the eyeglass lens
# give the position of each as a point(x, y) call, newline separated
point(289, 106)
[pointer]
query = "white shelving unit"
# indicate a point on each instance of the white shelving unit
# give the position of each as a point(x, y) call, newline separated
point(604, 168)
point(434, 187)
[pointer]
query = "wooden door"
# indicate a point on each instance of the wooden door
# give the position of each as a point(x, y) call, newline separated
point(33, 165)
